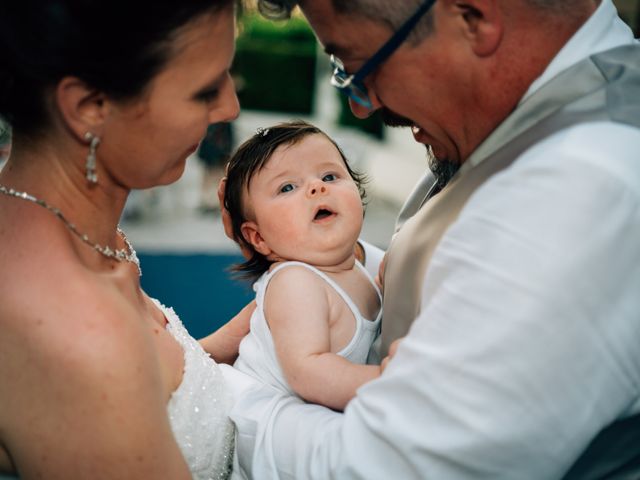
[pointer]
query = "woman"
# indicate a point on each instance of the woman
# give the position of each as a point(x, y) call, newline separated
point(103, 97)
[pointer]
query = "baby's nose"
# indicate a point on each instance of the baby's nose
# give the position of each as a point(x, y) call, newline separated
point(317, 189)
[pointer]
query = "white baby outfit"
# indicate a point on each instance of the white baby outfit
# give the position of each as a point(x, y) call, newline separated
point(257, 352)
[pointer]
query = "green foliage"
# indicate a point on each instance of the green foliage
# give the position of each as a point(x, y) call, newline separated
point(254, 28)
point(275, 65)
point(275, 70)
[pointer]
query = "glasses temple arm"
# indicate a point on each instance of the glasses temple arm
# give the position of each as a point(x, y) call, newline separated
point(393, 43)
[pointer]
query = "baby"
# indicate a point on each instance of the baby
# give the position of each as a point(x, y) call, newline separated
point(296, 206)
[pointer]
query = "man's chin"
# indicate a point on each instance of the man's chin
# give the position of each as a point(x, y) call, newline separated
point(437, 158)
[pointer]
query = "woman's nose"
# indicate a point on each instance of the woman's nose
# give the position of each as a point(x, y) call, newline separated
point(228, 108)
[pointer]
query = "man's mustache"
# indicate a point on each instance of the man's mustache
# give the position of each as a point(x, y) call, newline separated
point(392, 119)
point(443, 169)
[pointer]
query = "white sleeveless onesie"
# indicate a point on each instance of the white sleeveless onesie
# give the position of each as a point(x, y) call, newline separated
point(257, 352)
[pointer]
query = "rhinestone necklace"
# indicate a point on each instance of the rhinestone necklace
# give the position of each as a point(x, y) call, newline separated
point(127, 254)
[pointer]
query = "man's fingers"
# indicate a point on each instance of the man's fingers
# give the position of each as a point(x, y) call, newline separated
point(226, 218)
point(394, 346)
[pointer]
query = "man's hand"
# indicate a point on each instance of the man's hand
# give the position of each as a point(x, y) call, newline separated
point(392, 351)
point(380, 277)
point(226, 218)
point(358, 250)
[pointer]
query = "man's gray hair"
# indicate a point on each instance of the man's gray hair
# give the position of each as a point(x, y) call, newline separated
point(396, 13)
point(392, 14)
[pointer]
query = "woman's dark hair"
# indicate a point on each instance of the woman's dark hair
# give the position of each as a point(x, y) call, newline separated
point(249, 159)
point(116, 47)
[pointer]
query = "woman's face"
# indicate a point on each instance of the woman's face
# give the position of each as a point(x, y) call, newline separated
point(146, 142)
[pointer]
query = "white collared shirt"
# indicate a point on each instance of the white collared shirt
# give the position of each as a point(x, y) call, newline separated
point(527, 343)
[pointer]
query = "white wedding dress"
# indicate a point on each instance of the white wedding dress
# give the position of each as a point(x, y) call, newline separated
point(199, 408)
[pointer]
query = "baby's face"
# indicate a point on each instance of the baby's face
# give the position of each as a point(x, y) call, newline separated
point(304, 205)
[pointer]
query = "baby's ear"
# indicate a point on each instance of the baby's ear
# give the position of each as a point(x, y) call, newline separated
point(251, 234)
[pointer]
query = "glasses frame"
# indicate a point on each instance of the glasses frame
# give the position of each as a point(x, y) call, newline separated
point(353, 85)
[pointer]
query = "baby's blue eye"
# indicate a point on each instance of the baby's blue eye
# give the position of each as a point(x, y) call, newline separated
point(286, 188)
point(329, 177)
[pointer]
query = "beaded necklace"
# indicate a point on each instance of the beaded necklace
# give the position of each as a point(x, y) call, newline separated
point(127, 254)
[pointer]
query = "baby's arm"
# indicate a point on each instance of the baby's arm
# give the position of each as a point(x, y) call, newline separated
point(223, 344)
point(297, 309)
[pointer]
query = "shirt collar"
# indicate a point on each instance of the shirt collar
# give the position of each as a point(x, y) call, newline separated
point(603, 31)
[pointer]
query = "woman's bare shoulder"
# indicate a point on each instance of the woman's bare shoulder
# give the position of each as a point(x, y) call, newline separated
point(48, 290)
point(55, 293)
point(80, 374)
point(77, 363)
point(61, 322)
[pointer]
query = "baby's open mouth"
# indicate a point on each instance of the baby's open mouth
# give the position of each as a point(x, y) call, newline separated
point(323, 213)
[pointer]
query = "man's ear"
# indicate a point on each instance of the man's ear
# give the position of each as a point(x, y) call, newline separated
point(83, 109)
point(483, 24)
point(251, 234)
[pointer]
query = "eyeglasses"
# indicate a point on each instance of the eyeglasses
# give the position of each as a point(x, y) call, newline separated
point(352, 85)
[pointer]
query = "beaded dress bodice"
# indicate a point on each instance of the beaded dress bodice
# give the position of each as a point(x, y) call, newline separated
point(199, 408)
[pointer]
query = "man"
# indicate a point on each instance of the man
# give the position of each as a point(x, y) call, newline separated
point(517, 285)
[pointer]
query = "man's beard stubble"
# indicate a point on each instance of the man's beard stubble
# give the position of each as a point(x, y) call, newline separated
point(443, 169)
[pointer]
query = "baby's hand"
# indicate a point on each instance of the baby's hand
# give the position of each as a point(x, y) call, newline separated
point(392, 351)
point(224, 343)
point(240, 323)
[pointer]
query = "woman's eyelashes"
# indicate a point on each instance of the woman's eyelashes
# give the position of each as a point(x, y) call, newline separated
point(208, 96)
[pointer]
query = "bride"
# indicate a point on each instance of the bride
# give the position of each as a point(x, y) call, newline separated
point(97, 380)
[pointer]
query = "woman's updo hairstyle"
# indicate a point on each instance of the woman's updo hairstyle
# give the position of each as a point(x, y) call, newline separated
point(116, 47)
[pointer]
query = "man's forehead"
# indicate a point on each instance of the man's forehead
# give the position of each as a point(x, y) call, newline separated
point(344, 35)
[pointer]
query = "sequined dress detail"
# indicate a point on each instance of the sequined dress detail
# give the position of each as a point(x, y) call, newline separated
point(199, 408)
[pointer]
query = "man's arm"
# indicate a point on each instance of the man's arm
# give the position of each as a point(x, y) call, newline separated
point(519, 355)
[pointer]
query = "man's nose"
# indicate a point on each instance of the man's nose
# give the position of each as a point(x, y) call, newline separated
point(362, 112)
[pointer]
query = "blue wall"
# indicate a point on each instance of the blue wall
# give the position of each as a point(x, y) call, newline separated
point(198, 287)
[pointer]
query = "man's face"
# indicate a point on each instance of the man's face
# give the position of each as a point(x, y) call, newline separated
point(427, 86)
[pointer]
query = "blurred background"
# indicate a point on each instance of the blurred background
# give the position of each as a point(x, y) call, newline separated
point(280, 74)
